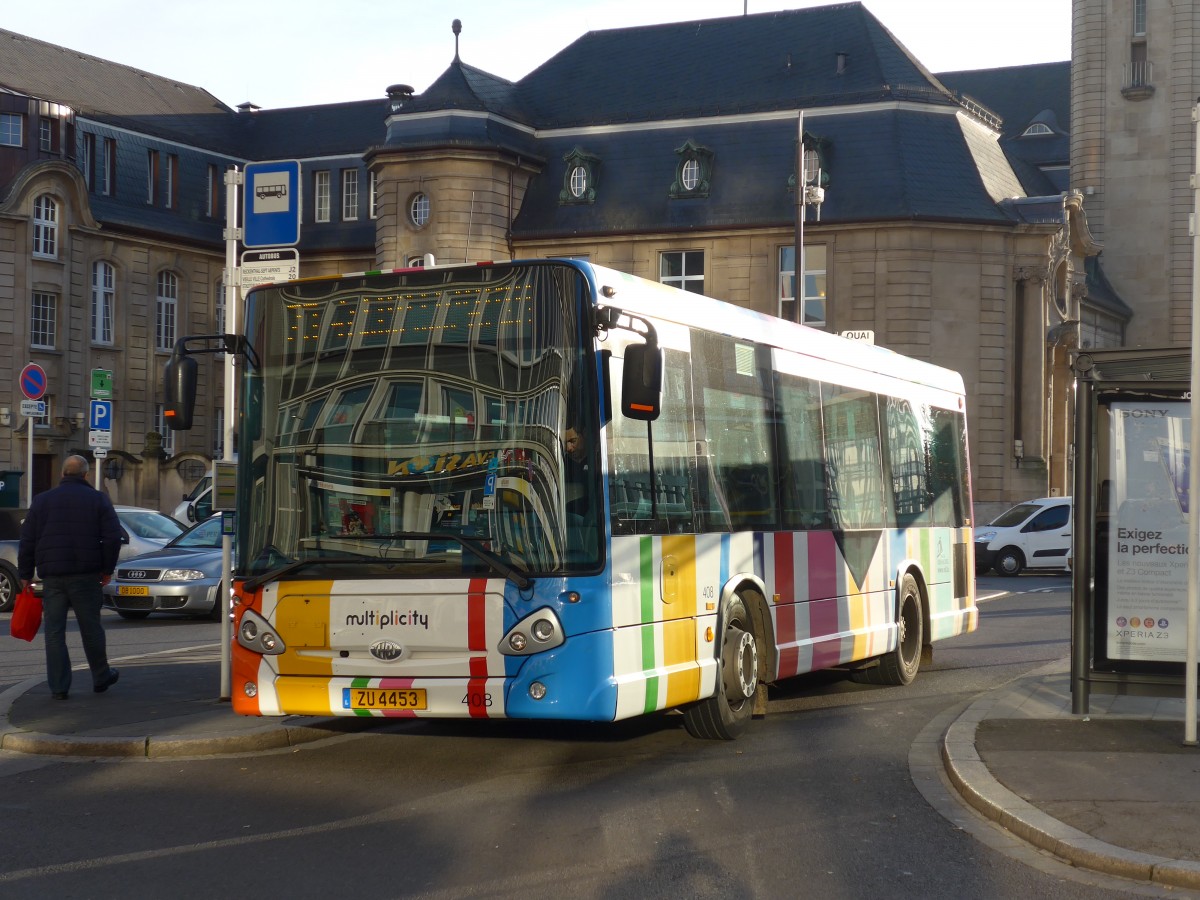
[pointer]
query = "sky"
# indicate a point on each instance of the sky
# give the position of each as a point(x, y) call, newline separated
point(279, 53)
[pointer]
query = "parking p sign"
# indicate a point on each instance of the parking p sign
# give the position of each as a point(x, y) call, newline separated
point(101, 415)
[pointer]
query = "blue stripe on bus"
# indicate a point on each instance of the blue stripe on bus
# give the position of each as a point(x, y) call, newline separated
point(726, 538)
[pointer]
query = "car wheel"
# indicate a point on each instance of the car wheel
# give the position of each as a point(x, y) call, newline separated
point(1010, 562)
point(133, 613)
point(10, 586)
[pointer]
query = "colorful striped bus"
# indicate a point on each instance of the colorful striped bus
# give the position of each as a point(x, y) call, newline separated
point(548, 490)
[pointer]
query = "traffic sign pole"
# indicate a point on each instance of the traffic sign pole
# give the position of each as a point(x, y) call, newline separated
point(33, 385)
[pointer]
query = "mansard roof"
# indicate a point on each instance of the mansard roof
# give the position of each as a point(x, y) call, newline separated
point(91, 85)
point(803, 58)
point(1022, 96)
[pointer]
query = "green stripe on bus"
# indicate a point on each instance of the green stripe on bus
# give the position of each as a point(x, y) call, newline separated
point(646, 564)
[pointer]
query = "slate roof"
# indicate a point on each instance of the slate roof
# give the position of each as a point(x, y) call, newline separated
point(1022, 96)
point(92, 85)
point(741, 64)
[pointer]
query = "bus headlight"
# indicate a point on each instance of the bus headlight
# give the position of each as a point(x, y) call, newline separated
point(538, 631)
point(255, 633)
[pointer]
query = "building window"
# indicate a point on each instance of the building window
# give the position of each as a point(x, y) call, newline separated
point(160, 425)
point(42, 318)
point(693, 173)
point(104, 297)
point(349, 195)
point(814, 284)
point(108, 167)
point(321, 196)
point(45, 227)
point(690, 175)
point(1037, 128)
point(12, 130)
point(1139, 18)
point(46, 132)
point(418, 210)
point(579, 178)
point(683, 269)
point(219, 306)
point(166, 309)
point(373, 198)
point(578, 182)
point(152, 177)
point(172, 181)
point(213, 191)
point(87, 157)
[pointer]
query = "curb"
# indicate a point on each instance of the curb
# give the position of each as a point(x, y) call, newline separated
point(274, 737)
point(980, 789)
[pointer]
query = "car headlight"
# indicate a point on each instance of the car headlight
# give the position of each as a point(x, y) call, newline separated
point(985, 537)
point(182, 575)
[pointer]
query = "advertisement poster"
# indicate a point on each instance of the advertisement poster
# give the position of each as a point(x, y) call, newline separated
point(1145, 501)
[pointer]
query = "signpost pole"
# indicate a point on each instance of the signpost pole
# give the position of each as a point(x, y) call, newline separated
point(1193, 599)
point(233, 178)
point(28, 461)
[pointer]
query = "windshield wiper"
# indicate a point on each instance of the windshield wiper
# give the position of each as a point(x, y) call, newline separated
point(472, 546)
point(289, 567)
point(489, 558)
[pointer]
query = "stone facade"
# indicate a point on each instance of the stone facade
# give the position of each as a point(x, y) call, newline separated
point(1133, 152)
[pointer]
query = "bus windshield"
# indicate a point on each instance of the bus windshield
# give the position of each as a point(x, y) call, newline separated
point(429, 423)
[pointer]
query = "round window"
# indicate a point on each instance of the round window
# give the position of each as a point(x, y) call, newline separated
point(578, 181)
point(418, 210)
point(691, 175)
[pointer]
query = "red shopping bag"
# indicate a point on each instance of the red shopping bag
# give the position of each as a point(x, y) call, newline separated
point(27, 615)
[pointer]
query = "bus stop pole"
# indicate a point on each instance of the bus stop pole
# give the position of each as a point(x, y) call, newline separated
point(1082, 594)
point(232, 291)
point(1190, 675)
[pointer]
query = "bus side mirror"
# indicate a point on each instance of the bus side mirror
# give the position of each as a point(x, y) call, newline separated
point(641, 382)
point(179, 379)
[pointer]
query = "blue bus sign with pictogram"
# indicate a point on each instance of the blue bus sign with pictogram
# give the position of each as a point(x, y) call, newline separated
point(33, 381)
point(271, 204)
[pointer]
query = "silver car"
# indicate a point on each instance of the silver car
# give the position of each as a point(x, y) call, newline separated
point(183, 577)
point(144, 530)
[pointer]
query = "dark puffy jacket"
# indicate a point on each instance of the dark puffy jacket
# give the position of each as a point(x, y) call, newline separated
point(71, 530)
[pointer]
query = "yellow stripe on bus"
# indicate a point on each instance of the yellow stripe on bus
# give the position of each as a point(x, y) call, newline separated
point(302, 617)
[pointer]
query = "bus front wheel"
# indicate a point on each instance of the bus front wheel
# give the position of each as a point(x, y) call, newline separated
point(899, 667)
point(724, 715)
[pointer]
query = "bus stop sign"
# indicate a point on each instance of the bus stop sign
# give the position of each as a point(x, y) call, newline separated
point(271, 204)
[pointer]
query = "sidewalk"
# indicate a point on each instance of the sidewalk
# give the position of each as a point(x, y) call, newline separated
point(164, 705)
point(1115, 791)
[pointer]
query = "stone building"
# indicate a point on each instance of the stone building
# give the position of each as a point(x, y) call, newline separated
point(1135, 77)
point(945, 225)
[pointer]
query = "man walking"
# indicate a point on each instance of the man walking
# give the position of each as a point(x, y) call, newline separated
point(72, 537)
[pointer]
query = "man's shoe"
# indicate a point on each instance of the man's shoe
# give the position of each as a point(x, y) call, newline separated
point(59, 695)
point(108, 682)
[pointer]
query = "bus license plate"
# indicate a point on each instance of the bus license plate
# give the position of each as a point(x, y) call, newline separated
point(383, 698)
point(133, 590)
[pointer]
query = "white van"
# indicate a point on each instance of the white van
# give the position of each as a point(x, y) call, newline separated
point(196, 506)
point(1032, 535)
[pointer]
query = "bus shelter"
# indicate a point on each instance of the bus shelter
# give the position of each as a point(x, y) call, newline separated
point(1130, 540)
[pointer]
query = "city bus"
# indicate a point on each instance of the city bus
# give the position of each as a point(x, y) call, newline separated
point(741, 499)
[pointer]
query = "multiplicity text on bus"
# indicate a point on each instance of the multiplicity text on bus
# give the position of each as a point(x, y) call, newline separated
point(549, 490)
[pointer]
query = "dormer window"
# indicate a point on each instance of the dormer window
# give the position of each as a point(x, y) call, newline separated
point(1035, 129)
point(579, 180)
point(693, 173)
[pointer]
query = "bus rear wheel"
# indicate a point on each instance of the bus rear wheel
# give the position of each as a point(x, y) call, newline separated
point(723, 716)
point(899, 667)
